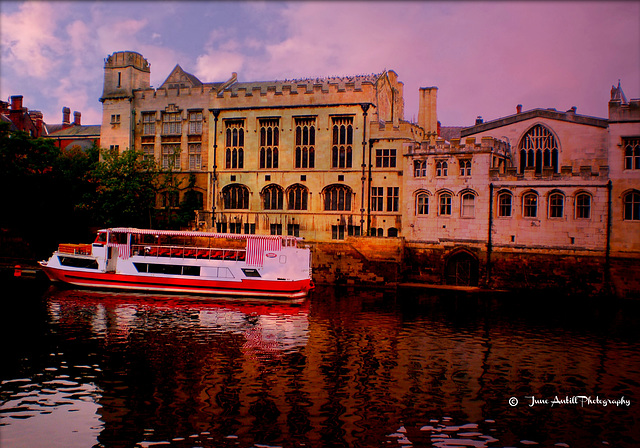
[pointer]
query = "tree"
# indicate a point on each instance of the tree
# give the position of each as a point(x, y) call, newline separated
point(125, 189)
point(41, 186)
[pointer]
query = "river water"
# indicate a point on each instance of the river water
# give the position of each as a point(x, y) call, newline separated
point(345, 368)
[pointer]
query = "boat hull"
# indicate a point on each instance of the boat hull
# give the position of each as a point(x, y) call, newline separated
point(285, 289)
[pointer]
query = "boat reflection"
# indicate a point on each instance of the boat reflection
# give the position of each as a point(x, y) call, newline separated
point(269, 327)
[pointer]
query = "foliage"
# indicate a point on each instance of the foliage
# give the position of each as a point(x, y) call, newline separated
point(125, 189)
point(42, 187)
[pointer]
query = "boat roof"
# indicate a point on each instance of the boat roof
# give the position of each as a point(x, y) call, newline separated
point(193, 233)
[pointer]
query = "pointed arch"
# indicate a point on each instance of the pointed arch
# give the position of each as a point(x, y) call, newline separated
point(539, 148)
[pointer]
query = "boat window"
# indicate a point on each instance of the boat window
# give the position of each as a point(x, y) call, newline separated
point(87, 263)
point(170, 269)
point(251, 272)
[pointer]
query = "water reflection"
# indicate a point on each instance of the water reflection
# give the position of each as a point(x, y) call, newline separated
point(356, 369)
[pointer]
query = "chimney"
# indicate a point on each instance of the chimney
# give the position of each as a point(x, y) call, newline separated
point(479, 120)
point(76, 118)
point(66, 112)
point(519, 109)
point(36, 116)
point(16, 102)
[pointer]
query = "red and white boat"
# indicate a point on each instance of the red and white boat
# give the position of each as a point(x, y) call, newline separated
point(186, 262)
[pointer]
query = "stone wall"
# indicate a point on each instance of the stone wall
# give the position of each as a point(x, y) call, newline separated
point(390, 262)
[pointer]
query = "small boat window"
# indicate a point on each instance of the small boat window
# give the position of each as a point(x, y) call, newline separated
point(87, 263)
point(251, 272)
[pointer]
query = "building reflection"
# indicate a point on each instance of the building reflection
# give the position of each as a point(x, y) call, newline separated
point(340, 371)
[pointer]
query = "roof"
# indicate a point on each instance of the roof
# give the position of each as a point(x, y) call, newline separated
point(179, 77)
point(449, 132)
point(569, 116)
point(74, 131)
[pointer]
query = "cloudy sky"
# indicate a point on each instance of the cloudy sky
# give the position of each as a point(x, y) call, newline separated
point(484, 57)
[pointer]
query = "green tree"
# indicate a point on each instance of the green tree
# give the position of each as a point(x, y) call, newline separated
point(125, 189)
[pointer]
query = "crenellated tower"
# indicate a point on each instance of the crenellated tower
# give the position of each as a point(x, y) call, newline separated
point(124, 73)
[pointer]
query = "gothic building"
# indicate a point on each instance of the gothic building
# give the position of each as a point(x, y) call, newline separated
point(292, 157)
point(522, 199)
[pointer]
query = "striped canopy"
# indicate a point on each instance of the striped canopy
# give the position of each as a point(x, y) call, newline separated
point(257, 245)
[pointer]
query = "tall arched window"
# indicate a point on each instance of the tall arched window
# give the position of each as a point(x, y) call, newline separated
point(583, 206)
point(556, 205)
point(305, 142)
point(445, 204)
point(297, 197)
point(422, 204)
point(538, 149)
point(342, 148)
point(468, 205)
point(505, 204)
point(235, 196)
point(632, 206)
point(234, 144)
point(269, 141)
point(337, 197)
point(272, 197)
point(530, 205)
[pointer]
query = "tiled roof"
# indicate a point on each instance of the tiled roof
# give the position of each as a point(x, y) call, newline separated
point(449, 132)
point(76, 131)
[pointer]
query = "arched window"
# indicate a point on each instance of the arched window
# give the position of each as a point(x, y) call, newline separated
point(631, 153)
point(445, 204)
point(272, 197)
point(235, 196)
point(538, 149)
point(342, 148)
point(530, 205)
point(632, 206)
point(422, 204)
point(305, 142)
point(556, 205)
point(420, 168)
point(297, 197)
point(337, 197)
point(234, 144)
point(583, 206)
point(468, 205)
point(505, 204)
point(441, 168)
point(269, 141)
point(465, 168)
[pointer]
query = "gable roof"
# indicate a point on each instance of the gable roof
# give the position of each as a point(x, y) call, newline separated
point(180, 78)
point(569, 116)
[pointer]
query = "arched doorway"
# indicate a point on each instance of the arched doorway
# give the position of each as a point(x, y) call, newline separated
point(462, 270)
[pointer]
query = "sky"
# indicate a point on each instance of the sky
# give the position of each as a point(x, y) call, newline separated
point(484, 57)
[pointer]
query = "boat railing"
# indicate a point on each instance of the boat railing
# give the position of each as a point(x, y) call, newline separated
point(197, 253)
point(75, 249)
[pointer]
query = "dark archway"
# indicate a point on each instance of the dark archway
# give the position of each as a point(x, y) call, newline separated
point(462, 270)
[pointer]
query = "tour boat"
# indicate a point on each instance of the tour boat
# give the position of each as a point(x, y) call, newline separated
point(186, 262)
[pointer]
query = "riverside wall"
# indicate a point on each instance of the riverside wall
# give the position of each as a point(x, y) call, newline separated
point(393, 262)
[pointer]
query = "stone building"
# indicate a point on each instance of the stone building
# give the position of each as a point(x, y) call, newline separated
point(282, 157)
point(538, 198)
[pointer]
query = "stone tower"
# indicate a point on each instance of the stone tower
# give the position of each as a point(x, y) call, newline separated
point(124, 72)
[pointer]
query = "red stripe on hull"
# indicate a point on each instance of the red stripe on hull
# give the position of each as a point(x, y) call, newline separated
point(247, 287)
